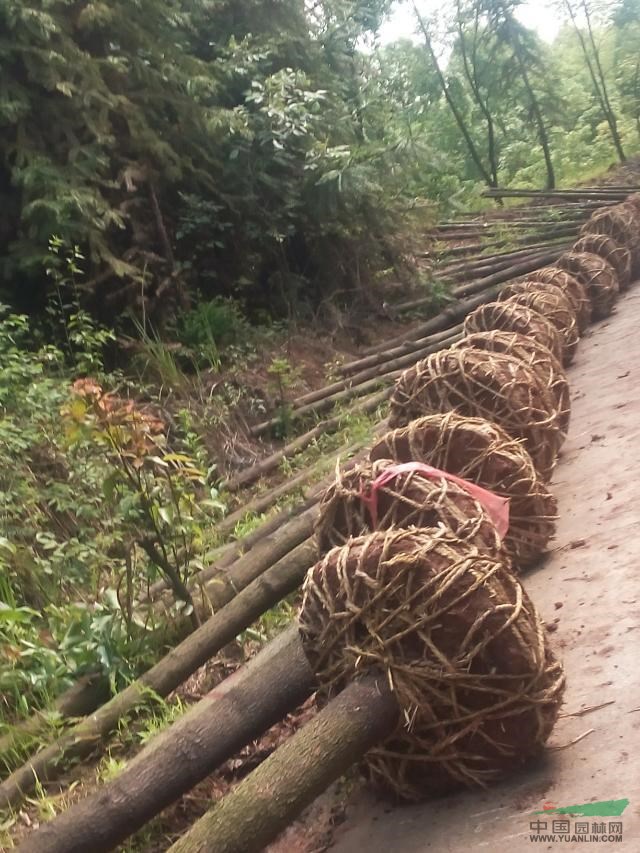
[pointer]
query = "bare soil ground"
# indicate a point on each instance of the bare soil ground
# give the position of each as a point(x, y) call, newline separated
point(587, 592)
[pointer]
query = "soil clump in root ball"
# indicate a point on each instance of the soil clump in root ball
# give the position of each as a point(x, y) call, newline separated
point(571, 287)
point(598, 277)
point(534, 355)
point(481, 452)
point(499, 388)
point(508, 317)
point(454, 634)
point(373, 497)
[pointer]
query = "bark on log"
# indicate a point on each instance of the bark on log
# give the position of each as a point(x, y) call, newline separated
point(599, 192)
point(236, 712)
point(267, 465)
point(494, 263)
point(326, 401)
point(264, 803)
point(83, 697)
point(229, 554)
point(90, 734)
point(265, 501)
point(455, 312)
point(522, 241)
point(405, 347)
point(521, 268)
point(385, 371)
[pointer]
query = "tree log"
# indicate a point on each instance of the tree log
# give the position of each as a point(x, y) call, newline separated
point(612, 195)
point(264, 803)
point(267, 465)
point(233, 714)
point(495, 263)
point(90, 734)
point(83, 697)
point(534, 263)
point(451, 315)
point(385, 371)
point(234, 551)
point(515, 270)
point(525, 240)
point(406, 346)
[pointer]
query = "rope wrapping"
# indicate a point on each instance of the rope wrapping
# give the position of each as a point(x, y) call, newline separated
point(457, 639)
point(482, 453)
point(475, 383)
point(598, 277)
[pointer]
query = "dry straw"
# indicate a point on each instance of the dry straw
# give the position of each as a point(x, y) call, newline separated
point(509, 317)
point(634, 201)
point(572, 287)
point(457, 639)
point(622, 223)
point(481, 452)
point(551, 302)
point(615, 253)
point(353, 506)
point(597, 275)
point(489, 385)
point(535, 355)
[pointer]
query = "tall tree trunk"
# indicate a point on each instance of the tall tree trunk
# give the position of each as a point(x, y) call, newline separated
point(470, 71)
point(535, 106)
point(473, 151)
point(599, 85)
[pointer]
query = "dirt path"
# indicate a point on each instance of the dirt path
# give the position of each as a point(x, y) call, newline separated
point(587, 592)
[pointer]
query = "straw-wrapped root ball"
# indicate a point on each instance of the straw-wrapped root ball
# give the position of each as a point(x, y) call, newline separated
point(453, 633)
point(377, 496)
point(509, 317)
point(571, 287)
point(597, 275)
point(482, 453)
point(488, 385)
point(534, 355)
point(614, 253)
point(622, 223)
point(634, 201)
point(555, 307)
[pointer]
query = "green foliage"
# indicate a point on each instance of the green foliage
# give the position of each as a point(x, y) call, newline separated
point(211, 329)
point(94, 506)
point(219, 148)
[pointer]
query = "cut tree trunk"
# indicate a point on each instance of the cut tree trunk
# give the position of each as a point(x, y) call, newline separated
point(232, 715)
point(266, 802)
point(90, 735)
point(456, 312)
point(602, 193)
point(405, 347)
point(522, 267)
point(83, 697)
point(267, 465)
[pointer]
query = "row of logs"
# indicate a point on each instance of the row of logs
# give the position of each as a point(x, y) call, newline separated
point(430, 662)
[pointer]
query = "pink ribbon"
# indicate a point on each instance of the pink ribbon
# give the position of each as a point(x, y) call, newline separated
point(497, 508)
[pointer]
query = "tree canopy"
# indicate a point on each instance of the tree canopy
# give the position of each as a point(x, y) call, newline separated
point(274, 152)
